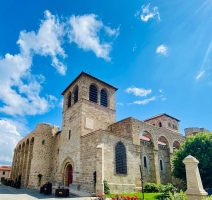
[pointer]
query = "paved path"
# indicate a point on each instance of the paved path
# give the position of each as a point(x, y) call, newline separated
point(9, 193)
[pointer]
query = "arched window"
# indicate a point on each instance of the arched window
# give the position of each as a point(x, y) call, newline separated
point(104, 99)
point(121, 158)
point(93, 93)
point(76, 94)
point(160, 124)
point(69, 100)
point(145, 162)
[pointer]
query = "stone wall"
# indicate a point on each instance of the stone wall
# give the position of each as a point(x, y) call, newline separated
point(117, 182)
point(90, 163)
point(33, 156)
point(88, 160)
point(147, 149)
point(164, 121)
point(194, 130)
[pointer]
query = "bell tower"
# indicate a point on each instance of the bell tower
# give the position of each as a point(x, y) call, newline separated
point(89, 104)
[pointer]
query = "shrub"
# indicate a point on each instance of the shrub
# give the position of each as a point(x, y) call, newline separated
point(151, 187)
point(166, 189)
point(177, 196)
point(106, 187)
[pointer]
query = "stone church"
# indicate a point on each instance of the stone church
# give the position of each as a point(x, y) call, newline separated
point(92, 147)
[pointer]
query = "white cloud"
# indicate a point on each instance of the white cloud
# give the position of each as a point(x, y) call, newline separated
point(144, 101)
point(141, 92)
point(148, 12)
point(19, 88)
point(162, 50)
point(85, 31)
point(200, 75)
point(46, 42)
point(9, 137)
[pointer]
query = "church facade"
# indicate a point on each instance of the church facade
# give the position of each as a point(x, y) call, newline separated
point(92, 147)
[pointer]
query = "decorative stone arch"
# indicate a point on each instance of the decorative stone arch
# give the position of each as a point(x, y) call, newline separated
point(67, 169)
point(164, 141)
point(176, 145)
point(148, 135)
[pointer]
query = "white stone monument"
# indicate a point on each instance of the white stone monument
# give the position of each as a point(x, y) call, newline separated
point(195, 190)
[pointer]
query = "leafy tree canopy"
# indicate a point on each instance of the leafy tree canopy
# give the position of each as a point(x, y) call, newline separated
point(199, 146)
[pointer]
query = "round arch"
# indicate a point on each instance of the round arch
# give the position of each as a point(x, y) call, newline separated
point(67, 170)
point(176, 145)
point(163, 141)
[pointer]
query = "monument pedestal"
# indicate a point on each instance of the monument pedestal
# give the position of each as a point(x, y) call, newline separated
point(195, 190)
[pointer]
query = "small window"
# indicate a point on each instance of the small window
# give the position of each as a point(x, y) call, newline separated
point(43, 142)
point(3, 172)
point(161, 165)
point(76, 94)
point(58, 151)
point(69, 100)
point(104, 98)
point(160, 124)
point(93, 95)
point(69, 134)
point(120, 158)
point(145, 162)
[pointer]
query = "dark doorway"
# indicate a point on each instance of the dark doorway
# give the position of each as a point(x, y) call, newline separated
point(69, 175)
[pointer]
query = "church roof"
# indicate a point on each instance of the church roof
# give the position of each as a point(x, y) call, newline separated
point(90, 76)
point(160, 115)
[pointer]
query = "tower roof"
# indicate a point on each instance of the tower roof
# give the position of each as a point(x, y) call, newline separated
point(90, 76)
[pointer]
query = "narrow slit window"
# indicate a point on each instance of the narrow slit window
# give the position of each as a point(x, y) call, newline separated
point(69, 134)
point(145, 162)
point(161, 165)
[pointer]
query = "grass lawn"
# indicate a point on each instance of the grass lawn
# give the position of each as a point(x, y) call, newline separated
point(147, 196)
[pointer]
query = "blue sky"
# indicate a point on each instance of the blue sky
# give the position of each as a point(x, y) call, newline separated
point(158, 53)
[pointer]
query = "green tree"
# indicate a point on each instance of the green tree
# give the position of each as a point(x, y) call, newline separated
point(199, 146)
